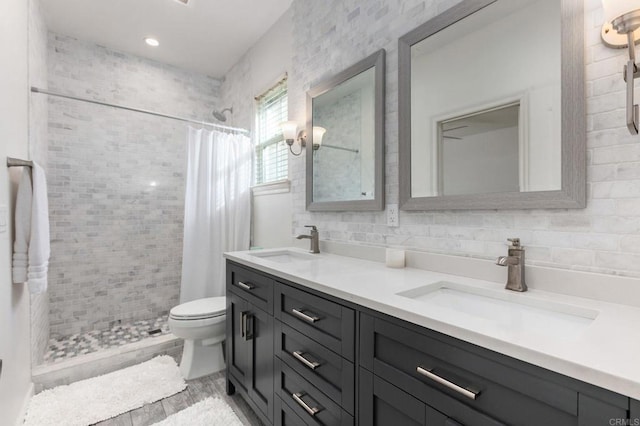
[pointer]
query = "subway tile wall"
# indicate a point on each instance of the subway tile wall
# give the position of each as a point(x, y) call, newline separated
point(329, 36)
point(38, 151)
point(116, 184)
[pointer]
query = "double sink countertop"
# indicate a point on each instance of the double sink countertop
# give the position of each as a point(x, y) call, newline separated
point(590, 340)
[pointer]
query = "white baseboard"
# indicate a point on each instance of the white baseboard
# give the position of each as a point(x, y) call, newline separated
point(25, 405)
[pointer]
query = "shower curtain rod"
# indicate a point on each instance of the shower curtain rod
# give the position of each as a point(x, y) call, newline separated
point(144, 111)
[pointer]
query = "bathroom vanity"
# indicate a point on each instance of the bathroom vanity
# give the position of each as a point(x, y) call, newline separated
point(376, 350)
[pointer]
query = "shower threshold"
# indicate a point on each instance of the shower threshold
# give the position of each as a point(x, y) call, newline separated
point(93, 354)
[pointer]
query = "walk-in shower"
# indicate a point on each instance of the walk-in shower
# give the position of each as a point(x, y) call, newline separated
point(116, 169)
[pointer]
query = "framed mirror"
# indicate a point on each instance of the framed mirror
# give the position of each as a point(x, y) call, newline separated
point(345, 142)
point(491, 107)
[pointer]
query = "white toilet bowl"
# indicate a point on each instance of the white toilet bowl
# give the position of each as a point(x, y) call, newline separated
point(201, 323)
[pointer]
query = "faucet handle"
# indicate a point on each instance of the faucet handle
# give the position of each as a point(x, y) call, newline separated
point(313, 227)
point(515, 242)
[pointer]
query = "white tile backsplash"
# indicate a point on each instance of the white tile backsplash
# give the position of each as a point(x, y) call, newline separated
point(329, 36)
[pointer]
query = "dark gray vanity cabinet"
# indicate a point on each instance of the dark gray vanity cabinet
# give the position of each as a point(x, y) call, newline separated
point(386, 404)
point(301, 357)
point(314, 349)
point(249, 351)
point(634, 414)
point(468, 384)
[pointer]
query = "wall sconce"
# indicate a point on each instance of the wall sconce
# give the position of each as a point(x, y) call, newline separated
point(291, 135)
point(622, 19)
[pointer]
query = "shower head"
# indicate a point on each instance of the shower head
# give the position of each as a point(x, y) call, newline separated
point(219, 115)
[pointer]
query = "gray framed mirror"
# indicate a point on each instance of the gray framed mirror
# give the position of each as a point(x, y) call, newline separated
point(345, 168)
point(492, 107)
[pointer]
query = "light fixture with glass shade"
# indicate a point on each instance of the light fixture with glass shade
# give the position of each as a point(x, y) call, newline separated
point(622, 29)
point(291, 135)
point(318, 133)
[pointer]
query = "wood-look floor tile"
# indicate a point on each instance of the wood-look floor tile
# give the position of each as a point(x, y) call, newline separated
point(121, 420)
point(148, 414)
point(177, 402)
point(199, 389)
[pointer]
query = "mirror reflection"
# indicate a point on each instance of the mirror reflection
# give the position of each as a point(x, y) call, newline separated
point(343, 164)
point(486, 103)
point(345, 119)
point(484, 145)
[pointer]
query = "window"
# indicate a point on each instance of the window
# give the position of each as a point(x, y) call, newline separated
point(271, 159)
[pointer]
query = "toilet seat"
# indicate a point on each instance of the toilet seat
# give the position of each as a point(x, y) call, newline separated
point(206, 308)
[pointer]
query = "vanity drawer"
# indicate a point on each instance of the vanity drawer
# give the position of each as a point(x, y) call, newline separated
point(250, 285)
point(382, 404)
point(327, 371)
point(306, 401)
point(324, 321)
point(284, 415)
point(445, 376)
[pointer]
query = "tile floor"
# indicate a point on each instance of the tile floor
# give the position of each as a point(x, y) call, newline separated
point(63, 348)
point(196, 391)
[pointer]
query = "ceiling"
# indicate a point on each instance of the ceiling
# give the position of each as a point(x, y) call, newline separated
point(206, 36)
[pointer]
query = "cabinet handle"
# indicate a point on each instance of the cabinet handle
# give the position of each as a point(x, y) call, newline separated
point(245, 286)
point(300, 357)
point(471, 394)
point(297, 397)
point(245, 319)
point(308, 318)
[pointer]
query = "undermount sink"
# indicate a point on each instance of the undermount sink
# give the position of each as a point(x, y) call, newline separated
point(284, 256)
point(473, 307)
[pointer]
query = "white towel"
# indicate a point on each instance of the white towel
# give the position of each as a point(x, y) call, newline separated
point(31, 247)
point(22, 227)
point(39, 248)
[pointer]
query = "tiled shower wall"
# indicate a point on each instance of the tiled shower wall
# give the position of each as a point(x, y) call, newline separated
point(38, 152)
point(328, 36)
point(117, 182)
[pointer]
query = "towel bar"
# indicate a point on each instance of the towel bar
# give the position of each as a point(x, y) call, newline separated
point(15, 162)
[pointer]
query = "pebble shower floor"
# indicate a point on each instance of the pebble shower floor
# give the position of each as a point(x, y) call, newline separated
point(65, 347)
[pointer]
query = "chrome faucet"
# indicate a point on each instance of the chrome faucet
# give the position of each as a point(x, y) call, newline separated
point(315, 239)
point(515, 262)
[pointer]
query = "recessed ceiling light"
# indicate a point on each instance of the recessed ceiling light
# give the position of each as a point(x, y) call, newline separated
point(152, 41)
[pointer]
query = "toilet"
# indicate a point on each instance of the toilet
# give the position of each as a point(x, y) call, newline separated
point(201, 323)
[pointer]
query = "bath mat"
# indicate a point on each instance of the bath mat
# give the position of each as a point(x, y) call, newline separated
point(211, 411)
point(100, 398)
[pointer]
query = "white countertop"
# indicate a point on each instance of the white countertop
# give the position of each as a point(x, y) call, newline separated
point(606, 353)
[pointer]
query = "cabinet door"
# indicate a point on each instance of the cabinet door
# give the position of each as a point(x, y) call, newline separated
point(634, 415)
point(260, 334)
point(237, 345)
point(593, 412)
point(383, 404)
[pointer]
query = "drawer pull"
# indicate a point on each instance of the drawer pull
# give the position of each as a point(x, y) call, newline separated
point(464, 391)
point(297, 397)
point(308, 318)
point(245, 286)
point(300, 357)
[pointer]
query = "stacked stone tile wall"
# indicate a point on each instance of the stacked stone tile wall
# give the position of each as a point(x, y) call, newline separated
point(328, 36)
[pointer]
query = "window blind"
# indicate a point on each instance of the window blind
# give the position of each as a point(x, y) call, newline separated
point(271, 159)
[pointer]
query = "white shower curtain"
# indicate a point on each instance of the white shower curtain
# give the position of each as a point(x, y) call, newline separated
point(216, 211)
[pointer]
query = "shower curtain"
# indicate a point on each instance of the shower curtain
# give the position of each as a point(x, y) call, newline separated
point(217, 209)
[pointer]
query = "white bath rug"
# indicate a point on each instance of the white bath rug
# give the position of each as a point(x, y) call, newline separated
point(100, 398)
point(209, 412)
